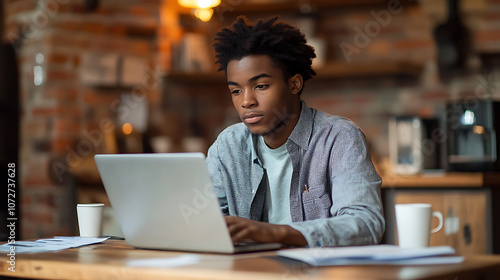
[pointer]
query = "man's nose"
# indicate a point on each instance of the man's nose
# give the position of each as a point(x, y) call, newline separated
point(249, 100)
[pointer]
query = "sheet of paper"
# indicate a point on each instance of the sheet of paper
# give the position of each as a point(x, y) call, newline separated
point(414, 261)
point(49, 244)
point(375, 254)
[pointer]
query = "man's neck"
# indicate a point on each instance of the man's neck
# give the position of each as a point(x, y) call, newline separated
point(279, 136)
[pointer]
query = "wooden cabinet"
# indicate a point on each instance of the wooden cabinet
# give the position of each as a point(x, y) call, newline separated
point(469, 212)
point(465, 216)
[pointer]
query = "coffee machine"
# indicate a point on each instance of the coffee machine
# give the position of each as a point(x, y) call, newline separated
point(472, 140)
point(413, 148)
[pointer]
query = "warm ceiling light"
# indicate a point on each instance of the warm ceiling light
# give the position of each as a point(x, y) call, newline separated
point(199, 4)
point(203, 14)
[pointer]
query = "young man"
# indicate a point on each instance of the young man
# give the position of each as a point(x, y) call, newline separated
point(288, 173)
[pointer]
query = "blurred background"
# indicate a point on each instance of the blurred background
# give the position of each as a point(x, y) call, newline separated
point(81, 77)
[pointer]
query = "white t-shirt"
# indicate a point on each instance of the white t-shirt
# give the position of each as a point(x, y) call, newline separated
point(278, 166)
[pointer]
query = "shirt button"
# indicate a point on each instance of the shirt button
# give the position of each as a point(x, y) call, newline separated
point(253, 191)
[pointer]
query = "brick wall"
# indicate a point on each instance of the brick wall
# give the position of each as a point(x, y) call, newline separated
point(407, 36)
point(62, 118)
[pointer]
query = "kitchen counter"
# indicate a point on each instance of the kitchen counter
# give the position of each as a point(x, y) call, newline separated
point(443, 180)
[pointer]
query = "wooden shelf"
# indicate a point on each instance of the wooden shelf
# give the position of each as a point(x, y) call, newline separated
point(293, 5)
point(443, 180)
point(327, 73)
point(369, 69)
point(196, 78)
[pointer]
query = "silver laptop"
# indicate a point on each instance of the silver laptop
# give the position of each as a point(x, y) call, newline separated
point(167, 201)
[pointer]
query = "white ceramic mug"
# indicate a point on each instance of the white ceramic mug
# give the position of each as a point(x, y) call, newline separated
point(90, 219)
point(414, 224)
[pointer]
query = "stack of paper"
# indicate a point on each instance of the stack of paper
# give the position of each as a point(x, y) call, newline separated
point(375, 254)
point(50, 244)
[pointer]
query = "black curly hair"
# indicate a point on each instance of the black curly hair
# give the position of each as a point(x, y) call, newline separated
point(284, 44)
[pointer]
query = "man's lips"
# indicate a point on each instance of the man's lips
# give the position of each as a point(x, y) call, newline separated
point(251, 118)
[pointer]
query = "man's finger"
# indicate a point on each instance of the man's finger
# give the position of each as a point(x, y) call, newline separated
point(240, 235)
point(235, 227)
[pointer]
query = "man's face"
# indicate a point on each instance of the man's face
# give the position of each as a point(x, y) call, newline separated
point(262, 98)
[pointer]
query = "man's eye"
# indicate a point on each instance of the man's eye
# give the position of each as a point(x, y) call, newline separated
point(236, 91)
point(262, 86)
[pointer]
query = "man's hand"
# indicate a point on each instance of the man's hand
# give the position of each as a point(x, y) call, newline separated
point(243, 229)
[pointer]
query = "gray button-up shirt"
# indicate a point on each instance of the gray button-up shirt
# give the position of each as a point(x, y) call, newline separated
point(335, 190)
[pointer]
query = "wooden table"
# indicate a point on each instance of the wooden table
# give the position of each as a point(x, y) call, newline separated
point(112, 260)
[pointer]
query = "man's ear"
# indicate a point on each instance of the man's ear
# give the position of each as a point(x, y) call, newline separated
point(296, 83)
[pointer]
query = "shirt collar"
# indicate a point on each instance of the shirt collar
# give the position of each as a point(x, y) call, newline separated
point(302, 131)
point(253, 143)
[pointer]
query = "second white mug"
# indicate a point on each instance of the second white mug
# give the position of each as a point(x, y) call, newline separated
point(414, 224)
point(90, 219)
